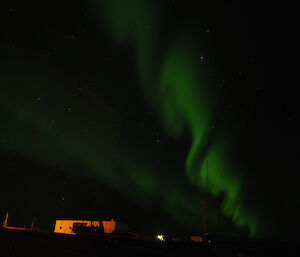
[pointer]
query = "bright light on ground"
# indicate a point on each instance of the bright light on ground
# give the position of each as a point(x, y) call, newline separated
point(160, 237)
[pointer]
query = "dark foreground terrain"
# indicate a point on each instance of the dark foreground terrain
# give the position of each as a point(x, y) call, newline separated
point(40, 244)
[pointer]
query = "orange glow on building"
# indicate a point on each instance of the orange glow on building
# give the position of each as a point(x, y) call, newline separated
point(67, 226)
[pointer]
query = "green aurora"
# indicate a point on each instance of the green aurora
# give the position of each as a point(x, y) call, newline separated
point(40, 125)
point(183, 91)
point(36, 127)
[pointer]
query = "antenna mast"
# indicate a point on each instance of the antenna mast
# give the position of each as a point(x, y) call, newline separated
point(204, 206)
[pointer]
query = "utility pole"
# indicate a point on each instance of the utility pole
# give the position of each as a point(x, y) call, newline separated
point(33, 223)
point(204, 207)
point(6, 220)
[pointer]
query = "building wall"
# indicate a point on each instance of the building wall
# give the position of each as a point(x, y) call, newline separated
point(109, 226)
point(66, 226)
point(196, 238)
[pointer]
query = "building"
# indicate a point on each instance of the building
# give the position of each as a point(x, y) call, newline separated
point(196, 238)
point(72, 226)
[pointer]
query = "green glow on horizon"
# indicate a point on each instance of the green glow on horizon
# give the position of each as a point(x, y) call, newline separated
point(179, 90)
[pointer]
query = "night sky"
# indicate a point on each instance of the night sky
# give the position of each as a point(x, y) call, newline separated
point(139, 109)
